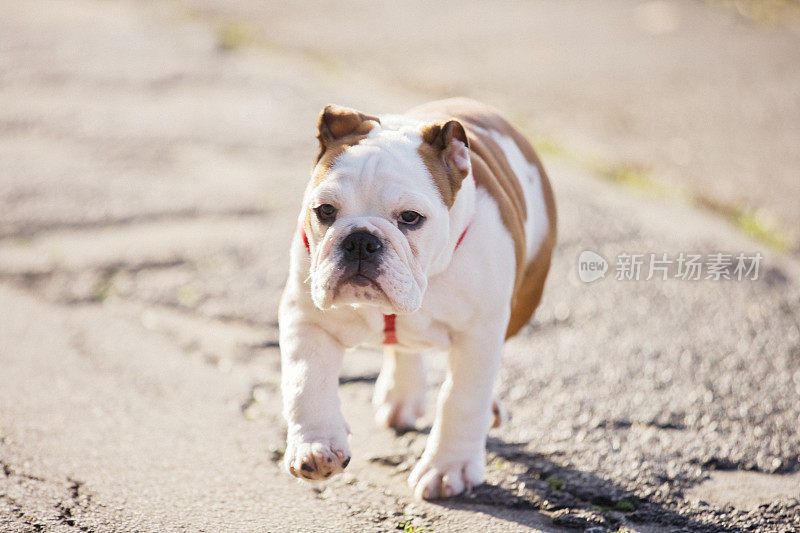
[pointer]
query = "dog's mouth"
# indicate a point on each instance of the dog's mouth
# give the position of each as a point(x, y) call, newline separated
point(362, 280)
point(360, 286)
point(360, 275)
point(389, 284)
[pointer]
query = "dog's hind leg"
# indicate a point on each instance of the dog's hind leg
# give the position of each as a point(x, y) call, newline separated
point(399, 397)
point(499, 413)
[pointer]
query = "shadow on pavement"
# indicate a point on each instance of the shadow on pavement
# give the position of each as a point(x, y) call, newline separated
point(572, 498)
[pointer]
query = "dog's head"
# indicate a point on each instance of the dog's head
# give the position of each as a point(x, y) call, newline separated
point(377, 211)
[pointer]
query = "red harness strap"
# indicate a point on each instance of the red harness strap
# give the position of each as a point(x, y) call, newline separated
point(389, 333)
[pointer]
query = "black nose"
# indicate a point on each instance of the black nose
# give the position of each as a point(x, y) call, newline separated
point(361, 246)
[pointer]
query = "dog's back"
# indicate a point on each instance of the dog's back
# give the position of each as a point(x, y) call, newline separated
point(506, 165)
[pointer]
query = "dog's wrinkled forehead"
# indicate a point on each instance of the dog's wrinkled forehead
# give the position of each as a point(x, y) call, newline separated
point(364, 155)
point(384, 165)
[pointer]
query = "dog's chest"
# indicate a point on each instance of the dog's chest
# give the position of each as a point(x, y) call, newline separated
point(414, 332)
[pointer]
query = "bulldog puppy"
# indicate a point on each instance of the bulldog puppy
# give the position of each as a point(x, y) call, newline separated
point(427, 231)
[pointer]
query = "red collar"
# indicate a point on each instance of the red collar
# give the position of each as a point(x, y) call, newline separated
point(389, 333)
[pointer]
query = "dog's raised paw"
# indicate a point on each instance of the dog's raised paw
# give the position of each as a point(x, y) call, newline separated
point(315, 461)
point(432, 479)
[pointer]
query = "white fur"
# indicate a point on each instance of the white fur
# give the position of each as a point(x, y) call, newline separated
point(371, 184)
point(402, 280)
point(399, 397)
point(478, 312)
point(447, 299)
point(536, 223)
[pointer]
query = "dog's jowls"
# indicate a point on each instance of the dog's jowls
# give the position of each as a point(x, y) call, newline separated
point(431, 230)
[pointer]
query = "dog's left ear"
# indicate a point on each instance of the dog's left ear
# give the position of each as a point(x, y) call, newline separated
point(450, 139)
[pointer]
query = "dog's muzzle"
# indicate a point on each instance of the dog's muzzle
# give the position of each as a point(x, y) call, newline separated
point(361, 253)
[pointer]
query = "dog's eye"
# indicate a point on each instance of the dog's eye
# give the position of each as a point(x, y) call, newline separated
point(325, 212)
point(410, 218)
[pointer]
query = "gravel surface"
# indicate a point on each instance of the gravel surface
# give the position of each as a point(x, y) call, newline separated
point(151, 165)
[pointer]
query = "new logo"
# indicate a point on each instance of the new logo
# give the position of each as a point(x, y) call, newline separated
point(591, 266)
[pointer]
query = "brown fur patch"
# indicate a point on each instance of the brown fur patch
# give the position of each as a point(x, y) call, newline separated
point(447, 187)
point(493, 172)
point(528, 291)
point(436, 151)
point(336, 122)
point(338, 128)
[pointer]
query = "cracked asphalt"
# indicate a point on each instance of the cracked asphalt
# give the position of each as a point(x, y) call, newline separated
point(151, 165)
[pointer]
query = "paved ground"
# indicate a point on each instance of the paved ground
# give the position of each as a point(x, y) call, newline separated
point(149, 179)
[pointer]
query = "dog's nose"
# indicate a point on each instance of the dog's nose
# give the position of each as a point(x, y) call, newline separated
point(361, 246)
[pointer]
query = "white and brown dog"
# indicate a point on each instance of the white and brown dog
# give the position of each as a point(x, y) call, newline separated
point(431, 230)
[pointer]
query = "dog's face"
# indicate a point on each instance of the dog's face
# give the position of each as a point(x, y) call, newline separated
point(377, 208)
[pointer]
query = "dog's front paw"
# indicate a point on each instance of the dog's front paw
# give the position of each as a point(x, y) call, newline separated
point(318, 459)
point(440, 476)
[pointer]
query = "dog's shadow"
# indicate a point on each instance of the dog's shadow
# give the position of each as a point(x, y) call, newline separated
point(534, 491)
point(543, 494)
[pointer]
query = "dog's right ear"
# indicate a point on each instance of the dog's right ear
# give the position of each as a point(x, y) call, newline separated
point(336, 122)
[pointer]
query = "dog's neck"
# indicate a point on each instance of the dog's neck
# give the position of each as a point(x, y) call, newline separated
point(461, 214)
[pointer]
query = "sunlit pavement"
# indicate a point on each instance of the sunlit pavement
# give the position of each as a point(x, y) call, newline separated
point(150, 172)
